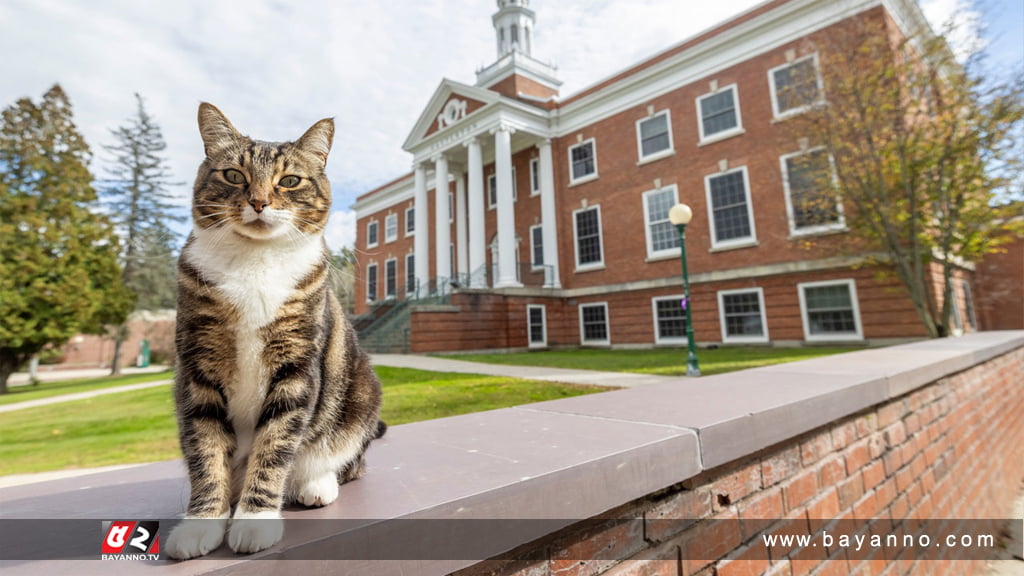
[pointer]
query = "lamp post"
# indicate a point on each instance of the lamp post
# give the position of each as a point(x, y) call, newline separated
point(680, 216)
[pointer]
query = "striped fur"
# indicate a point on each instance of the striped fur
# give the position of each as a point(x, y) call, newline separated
point(275, 399)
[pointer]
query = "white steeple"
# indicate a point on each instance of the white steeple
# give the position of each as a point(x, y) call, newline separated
point(513, 27)
point(513, 31)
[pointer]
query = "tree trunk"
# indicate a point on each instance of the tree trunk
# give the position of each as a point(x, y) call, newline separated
point(115, 365)
point(9, 362)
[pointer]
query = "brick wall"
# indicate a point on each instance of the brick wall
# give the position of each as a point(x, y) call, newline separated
point(1000, 288)
point(948, 450)
point(92, 351)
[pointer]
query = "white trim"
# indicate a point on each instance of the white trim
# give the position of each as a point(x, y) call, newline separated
point(408, 220)
point(607, 325)
point(586, 177)
point(386, 295)
point(642, 159)
point(722, 135)
point(726, 338)
point(388, 238)
point(838, 225)
point(534, 175)
point(376, 225)
point(654, 317)
point(543, 324)
point(776, 114)
point(533, 248)
point(451, 207)
point(846, 337)
point(376, 282)
point(408, 276)
point(489, 187)
point(576, 240)
point(732, 242)
point(665, 253)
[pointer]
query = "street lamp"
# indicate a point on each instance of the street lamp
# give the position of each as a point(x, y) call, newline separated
point(680, 216)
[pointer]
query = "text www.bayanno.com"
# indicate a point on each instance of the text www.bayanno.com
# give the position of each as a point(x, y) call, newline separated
point(863, 542)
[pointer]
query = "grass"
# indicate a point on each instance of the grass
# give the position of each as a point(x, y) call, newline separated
point(47, 389)
point(139, 426)
point(661, 361)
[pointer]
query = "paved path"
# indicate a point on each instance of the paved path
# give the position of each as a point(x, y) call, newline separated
point(563, 375)
point(44, 375)
point(80, 395)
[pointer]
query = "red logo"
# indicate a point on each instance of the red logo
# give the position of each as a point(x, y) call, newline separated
point(130, 540)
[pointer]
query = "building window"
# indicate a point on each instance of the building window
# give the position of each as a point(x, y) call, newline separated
point(390, 278)
point(662, 236)
point(451, 207)
point(795, 86)
point(741, 314)
point(654, 136)
point(410, 274)
point(594, 324)
point(583, 161)
point(669, 320)
point(534, 177)
point(410, 221)
point(587, 227)
point(371, 282)
point(972, 320)
point(451, 260)
point(719, 113)
point(391, 228)
point(830, 310)
point(492, 189)
point(537, 246)
point(371, 234)
point(810, 197)
point(536, 326)
point(732, 220)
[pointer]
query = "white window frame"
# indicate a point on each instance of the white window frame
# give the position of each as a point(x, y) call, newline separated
point(534, 176)
point(738, 129)
point(838, 225)
point(376, 282)
point(586, 177)
point(576, 240)
point(653, 254)
point(410, 279)
point(376, 241)
point(409, 220)
point(451, 207)
point(726, 338)
point(733, 242)
point(640, 143)
point(389, 237)
point(777, 115)
point(607, 325)
point(858, 336)
point(544, 326)
point(654, 317)
point(393, 295)
point(493, 177)
point(534, 266)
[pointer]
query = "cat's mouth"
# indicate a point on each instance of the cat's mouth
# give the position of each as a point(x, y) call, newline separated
point(261, 225)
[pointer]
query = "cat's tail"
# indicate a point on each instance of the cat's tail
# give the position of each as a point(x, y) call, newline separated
point(382, 427)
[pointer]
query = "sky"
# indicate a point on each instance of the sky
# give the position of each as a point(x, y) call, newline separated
point(275, 67)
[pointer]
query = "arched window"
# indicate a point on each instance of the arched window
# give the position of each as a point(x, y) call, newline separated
point(515, 35)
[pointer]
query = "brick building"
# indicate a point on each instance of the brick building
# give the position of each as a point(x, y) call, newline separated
point(549, 227)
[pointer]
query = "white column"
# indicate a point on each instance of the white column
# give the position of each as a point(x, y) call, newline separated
point(506, 210)
point(477, 241)
point(460, 227)
point(549, 222)
point(442, 225)
point(421, 244)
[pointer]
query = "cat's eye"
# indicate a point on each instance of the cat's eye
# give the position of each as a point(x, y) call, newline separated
point(289, 182)
point(234, 176)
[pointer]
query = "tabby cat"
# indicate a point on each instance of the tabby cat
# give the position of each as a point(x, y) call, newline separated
point(275, 399)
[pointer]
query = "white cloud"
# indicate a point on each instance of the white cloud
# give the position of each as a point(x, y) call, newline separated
point(960, 21)
point(341, 230)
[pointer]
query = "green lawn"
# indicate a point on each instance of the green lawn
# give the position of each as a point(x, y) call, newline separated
point(139, 426)
point(47, 389)
point(662, 361)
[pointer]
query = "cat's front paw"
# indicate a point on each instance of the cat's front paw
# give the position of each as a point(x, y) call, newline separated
point(195, 537)
point(255, 531)
point(319, 492)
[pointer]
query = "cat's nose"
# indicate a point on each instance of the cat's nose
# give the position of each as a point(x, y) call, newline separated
point(258, 204)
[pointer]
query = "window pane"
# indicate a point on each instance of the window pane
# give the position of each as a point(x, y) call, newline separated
point(729, 202)
point(371, 233)
point(663, 234)
point(718, 113)
point(390, 278)
point(410, 220)
point(410, 274)
point(588, 236)
point(371, 283)
point(654, 135)
point(391, 227)
point(492, 190)
point(829, 309)
point(671, 319)
point(742, 314)
point(796, 85)
point(594, 323)
point(536, 325)
point(538, 245)
point(582, 160)
point(810, 190)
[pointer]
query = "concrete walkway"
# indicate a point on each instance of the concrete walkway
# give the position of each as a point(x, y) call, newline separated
point(81, 395)
point(44, 375)
point(563, 375)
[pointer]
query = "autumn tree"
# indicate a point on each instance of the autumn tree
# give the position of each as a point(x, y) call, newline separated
point(59, 274)
point(140, 203)
point(922, 153)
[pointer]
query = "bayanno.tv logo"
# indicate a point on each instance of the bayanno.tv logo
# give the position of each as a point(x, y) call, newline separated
point(130, 540)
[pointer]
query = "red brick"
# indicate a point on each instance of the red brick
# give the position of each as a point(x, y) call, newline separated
point(843, 435)
point(850, 490)
point(710, 540)
point(874, 474)
point(757, 512)
point(816, 448)
point(780, 568)
point(856, 457)
point(866, 425)
point(780, 466)
point(886, 492)
point(890, 413)
point(895, 434)
point(892, 462)
point(666, 518)
point(750, 560)
point(592, 552)
point(823, 509)
point(800, 489)
point(866, 508)
point(731, 488)
point(832, 470)
point(664, 561)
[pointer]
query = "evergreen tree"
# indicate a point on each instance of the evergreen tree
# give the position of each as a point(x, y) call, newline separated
point(342, 277)
point(140, 202)
point(59, 274)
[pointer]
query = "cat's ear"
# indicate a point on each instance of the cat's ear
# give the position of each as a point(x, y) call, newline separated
point(215, 128)
point(317, 140)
